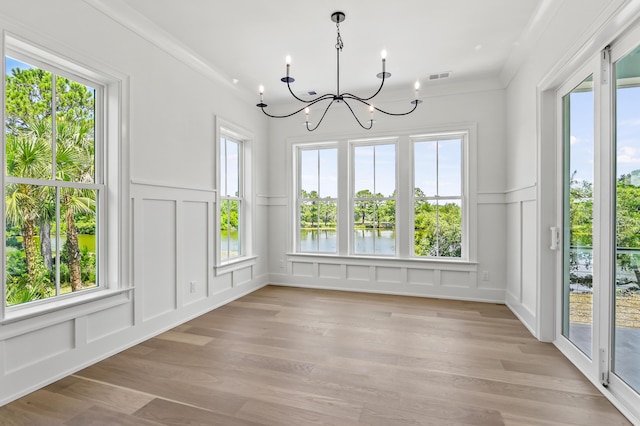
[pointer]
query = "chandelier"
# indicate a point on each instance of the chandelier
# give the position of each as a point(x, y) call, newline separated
point(338, 97)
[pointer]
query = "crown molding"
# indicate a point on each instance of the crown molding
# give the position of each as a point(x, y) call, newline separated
point(123, 14)
point(536, 26)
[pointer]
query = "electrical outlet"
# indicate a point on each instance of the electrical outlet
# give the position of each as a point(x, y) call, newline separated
point(192, 287)
point(485, 276)
point(282, 263)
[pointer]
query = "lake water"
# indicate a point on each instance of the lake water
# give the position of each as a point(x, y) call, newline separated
point(366, 241)
point(84, 241)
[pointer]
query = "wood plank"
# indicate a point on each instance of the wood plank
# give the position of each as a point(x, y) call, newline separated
point(284, 355)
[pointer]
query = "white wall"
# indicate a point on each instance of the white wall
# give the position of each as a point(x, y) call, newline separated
point(172, 109)
point(480, 103)
point(531, 155)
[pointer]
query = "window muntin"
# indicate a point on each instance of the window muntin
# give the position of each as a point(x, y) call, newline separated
point(438, 197)
point(317, 200)
point(231, 198)
point(374, 199)
point(53, 182)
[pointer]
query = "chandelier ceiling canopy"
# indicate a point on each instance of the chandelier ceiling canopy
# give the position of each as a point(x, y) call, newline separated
point(329, 99)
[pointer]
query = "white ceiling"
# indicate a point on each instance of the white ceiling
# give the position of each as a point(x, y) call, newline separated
point(248, 40)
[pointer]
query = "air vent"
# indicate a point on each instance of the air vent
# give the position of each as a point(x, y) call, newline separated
point(307, 93)
point(440, 75)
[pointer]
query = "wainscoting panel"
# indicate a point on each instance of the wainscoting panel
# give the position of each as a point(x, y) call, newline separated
point(54, 340)
point(358, 272)
point(194, 272)
point(522, 249)
point(389, 275)
point(109, 321)
point(159, 228)
point(420, 276)
point(457, 280)
point(330, 271)
point(300, 269)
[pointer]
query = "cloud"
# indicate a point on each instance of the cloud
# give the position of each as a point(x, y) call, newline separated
point(573, 140)
point(628, 155)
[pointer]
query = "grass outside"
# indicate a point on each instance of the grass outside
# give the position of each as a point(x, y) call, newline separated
point(627, 309)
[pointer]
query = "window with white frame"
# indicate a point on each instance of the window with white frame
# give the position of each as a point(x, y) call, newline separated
point(438, 196)
point(406, 196)
point(231, 198)
point(374, 198)
point(317, 199)
point(56, 179)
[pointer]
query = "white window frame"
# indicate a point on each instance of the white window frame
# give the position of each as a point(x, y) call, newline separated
point(244, 138)
point(404, 196)
point(297, 191)
point(225, 140)
point(464, 198)
point(353, 144)
point(111, 175)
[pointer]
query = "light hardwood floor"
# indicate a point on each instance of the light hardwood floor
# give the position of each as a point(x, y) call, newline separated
point(288, 356)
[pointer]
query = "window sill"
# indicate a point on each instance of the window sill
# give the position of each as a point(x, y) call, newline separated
point(413, 262)
point(234, 265)
point(76, 306)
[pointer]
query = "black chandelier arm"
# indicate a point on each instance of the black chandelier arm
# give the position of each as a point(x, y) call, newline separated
point(352, 96)
point(311, 129)
point(280, 116)
point(355, 116)
point(312, 101)
point(415, 103)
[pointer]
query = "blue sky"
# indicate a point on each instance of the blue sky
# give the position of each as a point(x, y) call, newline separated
point(627, 133)
point(11, 63)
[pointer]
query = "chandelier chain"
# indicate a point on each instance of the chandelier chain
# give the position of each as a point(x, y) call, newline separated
point(339, 43)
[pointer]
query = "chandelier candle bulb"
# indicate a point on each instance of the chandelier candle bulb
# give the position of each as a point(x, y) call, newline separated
point(261, 89)
point(306, 111)
point(371, 109)
point(417, 87)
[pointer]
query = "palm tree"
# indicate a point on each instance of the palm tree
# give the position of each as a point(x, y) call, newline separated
point(26, 158)
point(74, 162)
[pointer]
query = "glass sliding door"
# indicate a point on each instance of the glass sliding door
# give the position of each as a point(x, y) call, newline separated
point(578, 140)
point(626, 299)
point(598, 136)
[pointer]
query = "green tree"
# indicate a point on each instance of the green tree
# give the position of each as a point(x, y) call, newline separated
point(26, 157)
point(364, 209)
point(29, 142)
point(628, 223)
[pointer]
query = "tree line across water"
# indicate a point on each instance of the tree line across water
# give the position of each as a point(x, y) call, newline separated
point(437, 227)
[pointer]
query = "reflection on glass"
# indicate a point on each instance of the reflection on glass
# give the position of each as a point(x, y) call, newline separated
point(627, 188)
point(578, 130)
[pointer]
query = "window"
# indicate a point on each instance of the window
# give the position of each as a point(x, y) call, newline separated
point(437, 197)
point(374, 199)
point(395, 197)
point(231, 198)
point(318, 199)
point(55, 178)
